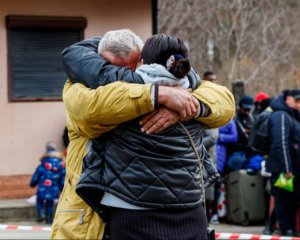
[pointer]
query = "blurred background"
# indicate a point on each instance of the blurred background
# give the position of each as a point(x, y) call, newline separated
point(251, 45)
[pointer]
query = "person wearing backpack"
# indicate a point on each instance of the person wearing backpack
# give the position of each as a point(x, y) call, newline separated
point(244, 121)
point(284, 156)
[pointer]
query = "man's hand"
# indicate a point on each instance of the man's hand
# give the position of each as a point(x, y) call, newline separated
point(159, 120)
point(179, 100)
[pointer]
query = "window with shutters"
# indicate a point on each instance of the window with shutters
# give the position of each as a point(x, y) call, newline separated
point(34, 55)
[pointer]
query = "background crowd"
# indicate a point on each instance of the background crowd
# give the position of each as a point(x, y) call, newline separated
point(259, 147)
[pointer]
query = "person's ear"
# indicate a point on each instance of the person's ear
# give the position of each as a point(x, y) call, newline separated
point(140, 62)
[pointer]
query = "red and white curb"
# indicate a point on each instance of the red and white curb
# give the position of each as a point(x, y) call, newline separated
point(218, 235)
point(252, 236)
point(24, 228)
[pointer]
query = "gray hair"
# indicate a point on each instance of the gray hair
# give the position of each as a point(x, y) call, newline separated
point(120, 42)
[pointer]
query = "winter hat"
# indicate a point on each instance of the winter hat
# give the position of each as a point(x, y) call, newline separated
point(246, 102)
point(51, 146)
point(295, 93)
point(261, 96)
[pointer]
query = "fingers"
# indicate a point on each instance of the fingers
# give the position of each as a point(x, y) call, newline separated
point(159, 121)
point(156, 126)
point(146, 117)
point(196, 105)
point(182, 114)
point(190, 110)
point(162, 127)
point(181, 101)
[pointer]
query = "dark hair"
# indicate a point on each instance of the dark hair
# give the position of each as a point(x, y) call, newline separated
point(285, 93)
point(160, 47)
point(265, 103)
point(207, 73)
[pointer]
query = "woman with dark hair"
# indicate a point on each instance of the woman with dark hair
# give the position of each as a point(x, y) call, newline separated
point(159, 48)
point(164, 61)
point(150, 185)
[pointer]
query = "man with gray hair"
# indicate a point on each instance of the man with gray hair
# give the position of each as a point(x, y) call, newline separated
point(122, 47)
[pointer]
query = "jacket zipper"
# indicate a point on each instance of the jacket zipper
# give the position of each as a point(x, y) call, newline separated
point(76, 210)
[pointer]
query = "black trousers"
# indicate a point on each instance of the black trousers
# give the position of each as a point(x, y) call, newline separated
point(188, 224)
point(286, 204)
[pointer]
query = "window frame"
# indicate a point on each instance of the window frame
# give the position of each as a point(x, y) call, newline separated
point(19, 22)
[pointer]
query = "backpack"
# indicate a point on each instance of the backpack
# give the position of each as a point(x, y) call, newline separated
point(237, 160)
point(259, 139)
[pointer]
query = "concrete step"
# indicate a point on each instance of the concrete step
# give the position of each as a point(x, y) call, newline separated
point(16, 210)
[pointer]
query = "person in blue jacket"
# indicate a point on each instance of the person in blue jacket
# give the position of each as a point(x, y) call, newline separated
point(284, 156)
point(227, 135)
point(49, 176)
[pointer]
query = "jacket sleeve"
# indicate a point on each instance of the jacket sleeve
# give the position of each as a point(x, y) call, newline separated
point(92, 112)
point(36, 177)
point(210, 173)
point(220, 101)
point(231, 136)
point(280, 126)
point(83, 64)
point(210, 137)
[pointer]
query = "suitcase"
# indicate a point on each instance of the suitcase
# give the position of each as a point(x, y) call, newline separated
point(245, 197)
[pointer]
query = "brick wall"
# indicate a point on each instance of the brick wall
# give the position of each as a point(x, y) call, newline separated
point(15, 187)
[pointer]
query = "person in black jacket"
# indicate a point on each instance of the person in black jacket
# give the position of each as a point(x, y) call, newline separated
point(284, 155)
point(151, 179)
point(244, 121)
point(239, 152)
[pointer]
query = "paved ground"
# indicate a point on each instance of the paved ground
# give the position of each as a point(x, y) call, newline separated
point(17, 234)
point(237, 229)
point(19, 205)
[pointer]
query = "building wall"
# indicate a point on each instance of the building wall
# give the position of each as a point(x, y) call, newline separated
point(27, 126)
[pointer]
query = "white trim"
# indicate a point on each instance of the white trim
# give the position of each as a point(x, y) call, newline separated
point(283, 144)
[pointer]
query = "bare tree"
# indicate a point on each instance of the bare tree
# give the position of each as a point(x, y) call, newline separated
point(254, 41)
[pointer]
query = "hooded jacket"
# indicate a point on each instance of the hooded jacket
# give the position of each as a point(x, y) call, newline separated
point(284, 126)
point(227, 135)
point(49, 176)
